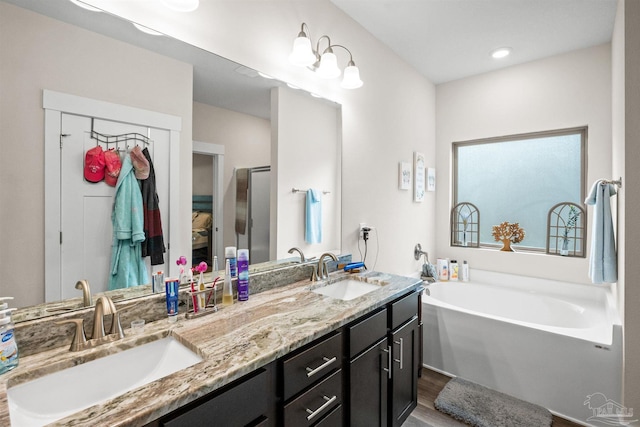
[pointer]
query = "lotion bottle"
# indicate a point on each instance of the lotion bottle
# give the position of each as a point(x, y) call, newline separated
point(465, 271)
point(227, 290)
point(453, 270)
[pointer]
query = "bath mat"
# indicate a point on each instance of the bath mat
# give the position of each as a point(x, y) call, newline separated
point(482, 407)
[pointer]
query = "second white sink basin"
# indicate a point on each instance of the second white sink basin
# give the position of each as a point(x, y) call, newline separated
point(346, 290)
point(60, 394)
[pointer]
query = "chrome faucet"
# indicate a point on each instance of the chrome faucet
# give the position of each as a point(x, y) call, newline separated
point(302, 258)
point(86, 292)
point(104, 306)
point(321, 270)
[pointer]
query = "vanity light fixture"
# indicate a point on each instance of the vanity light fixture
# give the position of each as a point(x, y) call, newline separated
point(182, 5)
point(325, 64)
point(501, 52)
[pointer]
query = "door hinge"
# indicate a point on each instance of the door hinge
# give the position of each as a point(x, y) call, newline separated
point(63, 135)
point(61, 237)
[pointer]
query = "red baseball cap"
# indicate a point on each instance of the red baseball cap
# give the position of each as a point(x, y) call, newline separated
point(94, 164)
point(113, 166)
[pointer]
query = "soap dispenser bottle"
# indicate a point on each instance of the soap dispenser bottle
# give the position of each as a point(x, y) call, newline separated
point(8, 345)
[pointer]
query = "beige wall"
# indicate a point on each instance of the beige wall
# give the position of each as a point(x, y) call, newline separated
point(306, 154)
point(563, 91)
point(39, 53)
point(202, 178)
point(247, 143)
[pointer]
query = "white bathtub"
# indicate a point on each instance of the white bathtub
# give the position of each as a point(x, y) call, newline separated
point(549, 343)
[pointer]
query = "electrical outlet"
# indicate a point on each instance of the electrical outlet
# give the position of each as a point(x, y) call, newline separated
point(360, 231)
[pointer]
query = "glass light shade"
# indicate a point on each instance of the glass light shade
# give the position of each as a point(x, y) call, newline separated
point(302, 54)
point(351, 79)
point(182, 5)
point(328, 68)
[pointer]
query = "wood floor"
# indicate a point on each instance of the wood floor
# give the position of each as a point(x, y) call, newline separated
point(429, 385)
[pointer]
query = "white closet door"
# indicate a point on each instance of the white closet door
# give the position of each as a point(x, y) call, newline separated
point(86, 230)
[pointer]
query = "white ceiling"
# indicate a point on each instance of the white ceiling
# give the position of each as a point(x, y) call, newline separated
point(451, 39)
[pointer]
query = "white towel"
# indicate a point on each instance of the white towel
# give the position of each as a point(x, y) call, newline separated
point(603, 263)
point(313, 217)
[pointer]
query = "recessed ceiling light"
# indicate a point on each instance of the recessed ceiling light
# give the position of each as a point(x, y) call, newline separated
point(293, 86)
point(501, 52)
point(266, 76)
point(85, 6)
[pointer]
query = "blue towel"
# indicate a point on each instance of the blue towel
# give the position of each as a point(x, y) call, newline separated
point(603, 264)
point(313, 217)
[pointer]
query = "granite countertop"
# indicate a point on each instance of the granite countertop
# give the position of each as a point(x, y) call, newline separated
point(232, 342)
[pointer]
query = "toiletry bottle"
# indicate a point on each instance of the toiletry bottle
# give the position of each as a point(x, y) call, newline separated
point(243, 274)
point(8, 345)
point(230, 255)
point(453, 270)
point(158, 282)
point(171, 289)
point(443, 269)
point(227, 291)
point(215, 264)
point(465, 271)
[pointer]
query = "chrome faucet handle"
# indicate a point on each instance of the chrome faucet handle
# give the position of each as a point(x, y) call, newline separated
point(104, 306)
point(302, 258)
point(79, 337)
point(86, 292)
point(321, 270)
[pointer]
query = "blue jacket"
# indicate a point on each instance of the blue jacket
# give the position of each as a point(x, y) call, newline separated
point(127, 265)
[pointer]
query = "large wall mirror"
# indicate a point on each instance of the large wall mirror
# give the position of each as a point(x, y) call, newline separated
point(233, 114)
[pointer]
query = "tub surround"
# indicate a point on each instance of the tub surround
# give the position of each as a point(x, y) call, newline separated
point(233, 342)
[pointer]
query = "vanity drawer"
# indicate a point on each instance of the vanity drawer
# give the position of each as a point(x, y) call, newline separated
point(404, 309)
point(367, 332)
point(243, 402)
point(304, 368)
point(311, 406)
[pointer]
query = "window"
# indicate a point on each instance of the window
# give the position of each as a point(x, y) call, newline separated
point(519, 178)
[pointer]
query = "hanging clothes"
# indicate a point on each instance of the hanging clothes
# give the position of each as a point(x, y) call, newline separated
point(127, 265)
point(153, 245)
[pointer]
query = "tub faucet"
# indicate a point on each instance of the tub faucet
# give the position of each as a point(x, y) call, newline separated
point(104, 306)
point(302, 258)
point(321, 271)
point(86, 292)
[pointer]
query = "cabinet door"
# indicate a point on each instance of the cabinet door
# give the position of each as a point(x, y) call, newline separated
point(404, 374)
point(369, 379)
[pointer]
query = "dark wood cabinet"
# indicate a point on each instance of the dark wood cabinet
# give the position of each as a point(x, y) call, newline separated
point(368, 387)
point(383, 379)
point(249, 401)
point(364, 374)
point(404, 343)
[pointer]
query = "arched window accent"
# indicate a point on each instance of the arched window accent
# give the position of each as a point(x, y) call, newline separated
point(465, 225)
point(566, 230)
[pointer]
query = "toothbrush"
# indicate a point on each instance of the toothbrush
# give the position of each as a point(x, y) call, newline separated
point(194, 297)
point(202, 267)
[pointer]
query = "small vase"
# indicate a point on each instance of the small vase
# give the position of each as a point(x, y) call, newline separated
point(564, 250)
point(506, 246)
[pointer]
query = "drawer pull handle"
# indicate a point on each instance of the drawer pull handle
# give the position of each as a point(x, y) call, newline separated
point(388, 368)
point(327, 362)
point(400, 343)
point(329, 401)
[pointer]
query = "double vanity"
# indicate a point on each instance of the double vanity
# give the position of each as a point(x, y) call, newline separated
point(335, 352)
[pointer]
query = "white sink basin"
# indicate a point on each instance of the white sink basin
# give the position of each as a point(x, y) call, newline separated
point(57, 395)
point(346, 290)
